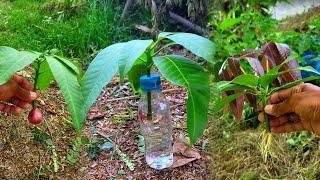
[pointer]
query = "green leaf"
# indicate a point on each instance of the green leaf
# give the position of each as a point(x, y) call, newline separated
point(270, 77)
point(70, 89)
point(130, 52)
point(291, 84)
point(247, 80)
point(228, 23)
point(101, 70)
point(69, 64)
point(308, 69)
point(184, 72)
point(12, 61)
point(138, 69)
point(44, 77)
point(198, 45)
point(228, 86)
point(164, 34)
point(222, 103)
point(267, 79)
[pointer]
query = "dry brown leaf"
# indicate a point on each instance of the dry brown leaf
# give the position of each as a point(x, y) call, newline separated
point(179, 147)
point(181, 161)
point(183, 154)
point(191, 153)
point(95, 116)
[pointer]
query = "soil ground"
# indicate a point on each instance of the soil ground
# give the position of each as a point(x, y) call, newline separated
point(113, 116)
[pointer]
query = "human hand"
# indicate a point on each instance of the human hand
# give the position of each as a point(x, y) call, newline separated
point(17, 91)
point(294, 109)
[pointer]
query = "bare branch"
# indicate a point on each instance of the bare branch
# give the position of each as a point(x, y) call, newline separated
point(186, 23)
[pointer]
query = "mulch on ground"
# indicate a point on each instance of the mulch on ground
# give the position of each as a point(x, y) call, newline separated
point(121, 125)
point(113, 116)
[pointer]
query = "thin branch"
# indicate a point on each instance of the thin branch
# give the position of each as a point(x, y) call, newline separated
point(143, 28)
point(136, 96)
point(186, 23)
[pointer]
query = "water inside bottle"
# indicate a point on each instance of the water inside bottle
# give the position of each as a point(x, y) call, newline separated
point(158, 142)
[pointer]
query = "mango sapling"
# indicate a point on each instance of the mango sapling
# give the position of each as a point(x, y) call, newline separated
point(248, 78)
point(136, 58)
point(35, 116)
point(48, 67)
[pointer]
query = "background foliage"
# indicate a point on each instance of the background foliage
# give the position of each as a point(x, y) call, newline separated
point(75, 30)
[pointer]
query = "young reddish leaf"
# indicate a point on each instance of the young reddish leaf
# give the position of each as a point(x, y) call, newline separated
point(258, 68)
point(252, 100)
point(277, 53)
point(251, 57)
point(234, 65)
point(268, 63)
point(251, 53)
point(237, 104)
point(292, 75)
point(271, 52)
point(256, 65)
point(225, 75)
point(284, 50)
point(237, 109)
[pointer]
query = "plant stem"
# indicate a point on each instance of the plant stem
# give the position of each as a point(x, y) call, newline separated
point(149, 114)
point(36, 80)
point(266, 120)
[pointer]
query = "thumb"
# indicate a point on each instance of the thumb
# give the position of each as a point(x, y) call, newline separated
point(25, 95)
point(278, 109)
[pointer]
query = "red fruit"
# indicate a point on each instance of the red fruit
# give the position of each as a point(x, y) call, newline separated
point(35, 116)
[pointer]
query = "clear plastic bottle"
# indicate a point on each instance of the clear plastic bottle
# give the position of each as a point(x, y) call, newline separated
point(157, 131)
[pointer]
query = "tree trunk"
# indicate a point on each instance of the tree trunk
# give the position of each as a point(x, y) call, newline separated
point(155, 20)
point(127, 7)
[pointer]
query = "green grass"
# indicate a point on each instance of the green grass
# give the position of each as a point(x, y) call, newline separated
point(75, 31)
point(236, 154)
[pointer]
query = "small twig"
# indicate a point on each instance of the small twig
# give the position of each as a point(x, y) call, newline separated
point(40, 168)
point(179, 127)
point(136, 96)
point(177, 105)
point(143, 28)
point(49, 130)
point(105, 136)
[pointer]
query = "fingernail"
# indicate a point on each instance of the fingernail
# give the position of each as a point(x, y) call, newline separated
point(17, 110)
point(268, 108)
point(33, 95)
point(27, 106)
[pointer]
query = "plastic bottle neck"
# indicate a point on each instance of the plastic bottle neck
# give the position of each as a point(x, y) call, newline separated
point(152, 91)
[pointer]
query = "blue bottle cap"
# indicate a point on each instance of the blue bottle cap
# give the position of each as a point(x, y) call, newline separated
point(150, 82)
point(307, 55)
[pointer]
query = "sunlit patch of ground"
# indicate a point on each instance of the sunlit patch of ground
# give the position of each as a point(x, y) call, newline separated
point(299, 22)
